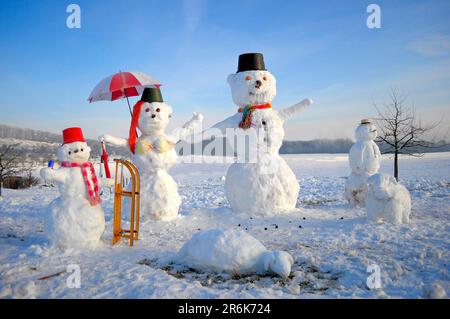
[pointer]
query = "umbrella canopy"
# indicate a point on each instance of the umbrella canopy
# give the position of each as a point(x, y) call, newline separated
point(121, 85)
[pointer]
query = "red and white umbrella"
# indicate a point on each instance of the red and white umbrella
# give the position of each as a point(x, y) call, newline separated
point(122, 85)
point(118, 86)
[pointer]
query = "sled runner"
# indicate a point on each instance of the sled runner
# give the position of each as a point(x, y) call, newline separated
point(133, 194)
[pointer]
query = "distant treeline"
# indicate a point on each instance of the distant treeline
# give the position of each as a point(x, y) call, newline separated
point(317, 146)
point(289, 147)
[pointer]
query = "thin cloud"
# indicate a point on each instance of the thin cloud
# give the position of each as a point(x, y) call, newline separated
point(431, 45)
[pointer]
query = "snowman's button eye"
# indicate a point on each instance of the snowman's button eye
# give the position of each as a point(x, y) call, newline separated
point(265, 78)
point(158, 109)
point(248, 78)
point(264, 122)
point(81, 150)
point(70, 152)
point(147, 110)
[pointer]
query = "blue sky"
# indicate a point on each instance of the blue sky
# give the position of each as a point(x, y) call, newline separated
point(317, 49)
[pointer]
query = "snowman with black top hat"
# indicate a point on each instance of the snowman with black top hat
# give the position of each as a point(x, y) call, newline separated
point(265, 186)
point(153, 153)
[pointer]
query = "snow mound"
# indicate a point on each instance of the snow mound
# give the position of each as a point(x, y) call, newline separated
point(387, 200)
point(232, 251)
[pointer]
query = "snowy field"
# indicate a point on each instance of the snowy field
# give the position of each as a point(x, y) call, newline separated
point(331, 243)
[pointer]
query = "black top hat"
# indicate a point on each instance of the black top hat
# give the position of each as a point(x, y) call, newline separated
point(251, 62)
point(152, 95)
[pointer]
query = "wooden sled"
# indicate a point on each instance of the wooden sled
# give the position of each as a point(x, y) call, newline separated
point(133, 194)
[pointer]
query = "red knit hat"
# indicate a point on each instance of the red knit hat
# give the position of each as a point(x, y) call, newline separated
point(72, 134)
point(132, 137)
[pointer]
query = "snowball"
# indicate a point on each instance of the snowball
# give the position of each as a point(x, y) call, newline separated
point(435, 291)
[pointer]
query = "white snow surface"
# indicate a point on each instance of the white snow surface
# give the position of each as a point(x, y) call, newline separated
point(331, 250)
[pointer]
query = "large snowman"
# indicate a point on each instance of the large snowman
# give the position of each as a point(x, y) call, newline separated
point(264, 185)
point(76, 217)
point(153, 153)
point(364, 160)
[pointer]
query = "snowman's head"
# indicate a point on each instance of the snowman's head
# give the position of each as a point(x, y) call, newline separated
point(76, 152)
point(279, 262)
point(154, 117)
point(252, 87)
point(269, 131)
point(366, 132)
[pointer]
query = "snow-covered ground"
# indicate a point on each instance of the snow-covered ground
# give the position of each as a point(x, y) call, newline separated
point(331, 243)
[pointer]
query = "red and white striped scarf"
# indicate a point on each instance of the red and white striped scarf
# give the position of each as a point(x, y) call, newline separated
point(94, 197)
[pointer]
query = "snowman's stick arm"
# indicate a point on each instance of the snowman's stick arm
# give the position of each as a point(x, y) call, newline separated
point(118, 141)
point(287, 113)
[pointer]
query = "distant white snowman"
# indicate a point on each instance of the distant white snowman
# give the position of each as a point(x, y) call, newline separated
point(76, 217)
point(234, 252)
point(264, 185)
point(154, 153)
point(364, 160)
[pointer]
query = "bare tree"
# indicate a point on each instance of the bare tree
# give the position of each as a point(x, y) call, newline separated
point(401, 131)
point(27, 171)
point(9, 162)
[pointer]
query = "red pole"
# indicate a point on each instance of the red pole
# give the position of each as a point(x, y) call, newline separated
point(105, 161)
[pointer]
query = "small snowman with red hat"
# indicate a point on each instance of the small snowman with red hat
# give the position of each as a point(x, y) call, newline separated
point(153, 153)
point(265, 185)
point(76, 217)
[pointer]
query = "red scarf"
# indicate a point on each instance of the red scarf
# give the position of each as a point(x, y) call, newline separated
point(132, 137)
point(94, 197)
point(247, 112)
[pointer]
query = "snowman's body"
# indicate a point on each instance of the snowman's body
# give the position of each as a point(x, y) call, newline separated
point(364, 161)
point(154, 155)
point(232, 251)
point(266, 185)
point(258, 189)
point(73, 221)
